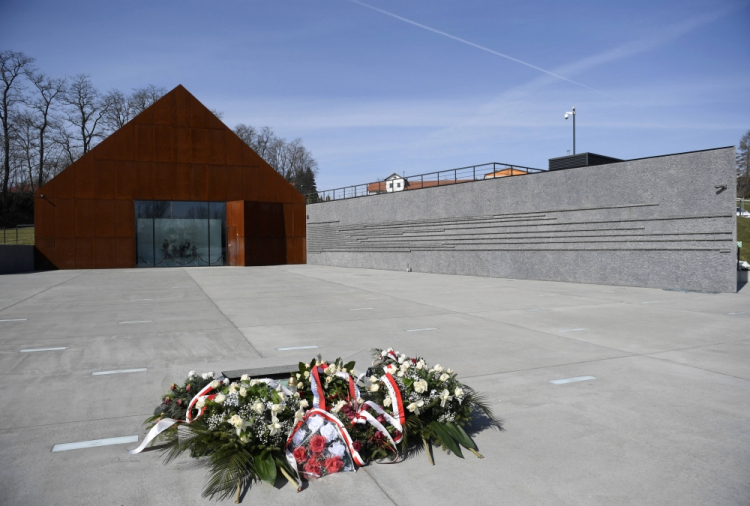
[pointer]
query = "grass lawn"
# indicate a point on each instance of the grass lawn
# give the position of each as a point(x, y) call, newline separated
point(25, 236)
point(743, 235)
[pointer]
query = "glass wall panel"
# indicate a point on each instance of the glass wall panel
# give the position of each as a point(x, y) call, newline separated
point(144, 233)
point(217, 231)
point(181, 233)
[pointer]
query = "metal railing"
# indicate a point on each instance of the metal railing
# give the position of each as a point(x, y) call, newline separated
point(11, 235)
point(469, 174)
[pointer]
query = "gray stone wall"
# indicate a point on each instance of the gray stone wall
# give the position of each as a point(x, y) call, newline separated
point(656, 222)
point(15, 258)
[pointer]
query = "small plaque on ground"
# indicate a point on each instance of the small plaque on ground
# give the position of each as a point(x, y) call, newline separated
point(277, 372)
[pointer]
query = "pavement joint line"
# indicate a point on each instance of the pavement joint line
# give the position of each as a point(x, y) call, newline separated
point(571, 330)
point(134, 300)
point(740, 312)
point(42, 349)
point(297, 348)
point(362, 309)
point(42, 291)
point(376, 298)
point(651, 302)
point(231, 322)
point(421, 330)
point(630, 355)
point(120, 371)
point(572, 380)
point(135, 321)
point(14, 320)
point(95, 443)
point(537, 310)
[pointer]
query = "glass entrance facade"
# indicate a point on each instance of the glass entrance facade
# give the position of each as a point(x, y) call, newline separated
point(180, 234)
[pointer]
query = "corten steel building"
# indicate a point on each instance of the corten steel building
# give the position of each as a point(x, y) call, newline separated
point(173, 187)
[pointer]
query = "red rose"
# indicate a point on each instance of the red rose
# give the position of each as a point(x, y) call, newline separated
point(167, 400)
point(351, 415)
point(346, 408)
point(357, 446)
point(317, 444)
point(396, 434)
point(379, 436)
point(179, 402)
point(313, 467)
point(380, 419)
point(300, 454)
point(187, 388)
point(333, 465)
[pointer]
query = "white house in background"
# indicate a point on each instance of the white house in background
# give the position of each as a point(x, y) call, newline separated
point(395, 183)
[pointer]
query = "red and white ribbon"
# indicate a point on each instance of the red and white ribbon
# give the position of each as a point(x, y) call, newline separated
point(316, 385)
point(363, 416)
point(397, 403)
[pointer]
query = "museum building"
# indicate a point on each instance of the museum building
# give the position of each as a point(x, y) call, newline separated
point(173, 187)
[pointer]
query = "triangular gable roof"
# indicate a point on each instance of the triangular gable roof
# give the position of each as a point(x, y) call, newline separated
point(191, 153)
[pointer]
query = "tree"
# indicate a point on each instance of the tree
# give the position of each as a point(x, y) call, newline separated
point(86, 110)
point(13, 65)
point(290, 159)
point(122, 109)
point(48, 92)
point(743, 166)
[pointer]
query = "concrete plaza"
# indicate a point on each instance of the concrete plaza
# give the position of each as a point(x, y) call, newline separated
point(665, 421)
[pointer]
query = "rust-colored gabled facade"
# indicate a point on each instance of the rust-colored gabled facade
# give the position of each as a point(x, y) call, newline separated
point(176, 150)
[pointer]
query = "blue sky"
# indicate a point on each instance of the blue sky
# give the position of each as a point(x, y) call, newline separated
point(371, 94)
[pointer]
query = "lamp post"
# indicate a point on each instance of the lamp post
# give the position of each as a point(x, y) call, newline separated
point(573, 113)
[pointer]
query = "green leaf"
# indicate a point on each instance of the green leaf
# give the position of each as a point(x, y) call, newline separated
point(442, 433)
point(302, 368)
point(349, 365)
point(461, 436)
point(266, 468)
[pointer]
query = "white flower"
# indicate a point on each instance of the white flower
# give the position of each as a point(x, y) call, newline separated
point(373, 388)
point(233, 388)
point(445, 396)
point(390, 368)
point(337, 449)
point(307, 374)
point(204, 376)
point(236, 421)
point(400, 374)
point(459, 392)
point(299, 375)
point(275, 408)
point(307, 366)
point(445, 377)
point(220, 398)
point(191, 374)
point(244, 438)
point(274, 427)
point(401, 359)
point(254, 382)
point(338, 406)
point(449, 371)
point(420, 386)
point(259, 407)
point(373, 379)
point(329, 431)
point(387, 402)
point(245, 377)
point(226, 381)
point(360, 400)
point(303, 403)
point(437, 368)
point(414, 407)
point(314, 423)
point(331, 369)
point(215, 384)
point(243, 392)
point(421, 364)
point(201, 402)
point(298, 415)
point(298, 437)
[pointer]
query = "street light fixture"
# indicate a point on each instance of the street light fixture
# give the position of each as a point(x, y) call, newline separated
point(573, 113)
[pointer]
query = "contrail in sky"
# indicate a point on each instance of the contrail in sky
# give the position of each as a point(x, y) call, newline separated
point(469, 43)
